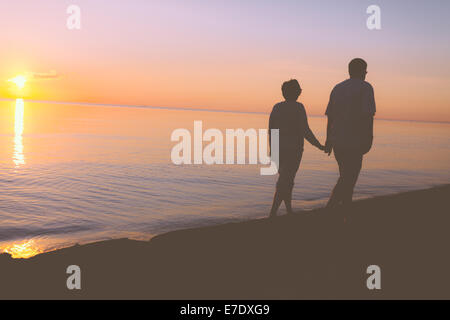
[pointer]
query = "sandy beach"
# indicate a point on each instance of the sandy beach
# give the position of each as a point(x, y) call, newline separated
point(308, 255)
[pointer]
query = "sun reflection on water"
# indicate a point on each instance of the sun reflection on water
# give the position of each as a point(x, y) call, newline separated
point(25, 250)
point(18, 156)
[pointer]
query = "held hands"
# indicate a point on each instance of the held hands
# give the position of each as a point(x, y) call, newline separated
point(328, 147)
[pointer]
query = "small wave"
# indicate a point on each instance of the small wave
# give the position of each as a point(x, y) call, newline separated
point(12, 233)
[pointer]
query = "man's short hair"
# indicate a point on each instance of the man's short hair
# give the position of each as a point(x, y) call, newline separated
point(291, 90)
point(357, 67)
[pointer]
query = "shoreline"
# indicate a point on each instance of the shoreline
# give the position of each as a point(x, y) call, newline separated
point(310, 255)
point(223, 221)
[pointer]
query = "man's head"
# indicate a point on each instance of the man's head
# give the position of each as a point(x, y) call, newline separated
point(357, 68)
point(291, 90)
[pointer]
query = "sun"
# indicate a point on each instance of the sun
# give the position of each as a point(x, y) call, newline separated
point(19, 81)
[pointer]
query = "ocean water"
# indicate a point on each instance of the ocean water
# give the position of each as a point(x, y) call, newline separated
point(76, 173)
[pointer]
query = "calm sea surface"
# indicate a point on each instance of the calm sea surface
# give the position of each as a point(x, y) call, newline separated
point(75, 174)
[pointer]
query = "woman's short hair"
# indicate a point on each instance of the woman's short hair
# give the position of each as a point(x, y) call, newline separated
point(291, 90)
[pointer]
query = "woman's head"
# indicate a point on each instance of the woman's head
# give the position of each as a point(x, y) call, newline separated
point(291, 90)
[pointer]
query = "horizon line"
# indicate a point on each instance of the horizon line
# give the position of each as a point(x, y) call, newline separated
point(93, 104)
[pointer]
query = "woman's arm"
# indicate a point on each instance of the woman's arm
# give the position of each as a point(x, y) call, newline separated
point(311, 138)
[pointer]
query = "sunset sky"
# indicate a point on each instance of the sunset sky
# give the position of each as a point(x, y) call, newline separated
point(230, 55)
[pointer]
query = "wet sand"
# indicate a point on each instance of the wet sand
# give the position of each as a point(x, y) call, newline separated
point(309, 255)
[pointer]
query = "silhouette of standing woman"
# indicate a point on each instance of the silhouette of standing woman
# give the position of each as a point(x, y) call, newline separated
point(290, 118)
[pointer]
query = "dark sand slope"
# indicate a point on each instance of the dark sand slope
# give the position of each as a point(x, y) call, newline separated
point(310, 255)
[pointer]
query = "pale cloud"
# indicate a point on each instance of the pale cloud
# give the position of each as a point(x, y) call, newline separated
point(43, 75)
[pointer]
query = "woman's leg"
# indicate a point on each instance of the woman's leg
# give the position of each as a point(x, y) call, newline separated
point(292, 171)
point(285, 184)
point(288, 202)
point(277, 199)
point(280, 191)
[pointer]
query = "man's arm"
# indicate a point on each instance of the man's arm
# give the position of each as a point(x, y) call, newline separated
point(329, 113)
point(328, 144)
point(369, 105)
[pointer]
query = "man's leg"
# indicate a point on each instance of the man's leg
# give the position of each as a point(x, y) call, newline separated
point(336, 194)
point(352, 169)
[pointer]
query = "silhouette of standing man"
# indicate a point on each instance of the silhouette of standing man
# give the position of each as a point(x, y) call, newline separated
point(350, 114)
point(289, 117)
